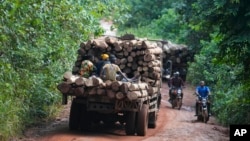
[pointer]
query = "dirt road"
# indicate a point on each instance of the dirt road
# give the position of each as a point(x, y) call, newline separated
point(172, 125)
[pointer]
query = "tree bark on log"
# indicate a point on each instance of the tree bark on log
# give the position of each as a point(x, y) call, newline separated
point(89, 82)
point(100, 91)
point(92, 91)
point(115, 86)
point(100, 43)
point(108, 83)
point(153, 51)
point(81, 51)
point(79, 91)
point(80, 81)
point(133, 95)
point(118, 46)
point(110, 40)
point(125, 87)
point(152, 90)
point(64, 87)
point(88, 45)
point(82, 45)
point(67, 75)
point(110, 93)
point(149, 57)
point(96, 81)
point(154, 69)
point(119, 96)
point(154, 63)
point(138, 86)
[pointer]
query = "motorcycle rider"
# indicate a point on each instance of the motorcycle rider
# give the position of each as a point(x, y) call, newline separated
point(202, 91)
point(175, 82)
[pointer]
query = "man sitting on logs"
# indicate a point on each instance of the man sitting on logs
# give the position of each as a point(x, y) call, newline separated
point(103, 60)
point(110, 70)
point(87, 67)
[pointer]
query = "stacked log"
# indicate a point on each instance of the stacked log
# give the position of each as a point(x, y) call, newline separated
point(134, 57)
point(178, 54)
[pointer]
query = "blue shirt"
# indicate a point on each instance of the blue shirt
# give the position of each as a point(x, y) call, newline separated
point(203, 91)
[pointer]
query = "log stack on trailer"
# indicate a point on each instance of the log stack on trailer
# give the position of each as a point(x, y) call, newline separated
point(135, 104)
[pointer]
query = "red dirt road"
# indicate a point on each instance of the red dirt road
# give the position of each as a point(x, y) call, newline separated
point(172, 125)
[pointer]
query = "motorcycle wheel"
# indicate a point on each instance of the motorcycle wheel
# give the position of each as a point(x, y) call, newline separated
point(173, 103)
point(205, 116)
point(179, 101)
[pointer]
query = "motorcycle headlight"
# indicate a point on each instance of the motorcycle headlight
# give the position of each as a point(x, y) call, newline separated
point(179, 91)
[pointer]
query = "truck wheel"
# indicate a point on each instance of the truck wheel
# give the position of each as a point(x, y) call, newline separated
point(130, 123)
point(142, 120)
point(152, 117)
point(74, 117)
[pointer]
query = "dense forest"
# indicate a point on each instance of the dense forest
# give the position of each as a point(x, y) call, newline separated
point(217, 34)
point(39, 40)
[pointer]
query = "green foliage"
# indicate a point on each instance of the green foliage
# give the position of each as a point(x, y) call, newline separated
point(154, 19)
point(225, 25)
point(217, 32)
point(38, 43)
point(233, 102)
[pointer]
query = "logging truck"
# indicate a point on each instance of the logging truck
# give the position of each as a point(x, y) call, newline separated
point(134, 105)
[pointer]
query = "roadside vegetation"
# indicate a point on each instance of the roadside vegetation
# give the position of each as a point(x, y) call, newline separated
point(217, 34)
point(39, 42)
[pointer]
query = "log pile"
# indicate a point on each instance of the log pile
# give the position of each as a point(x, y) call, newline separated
point(135, 57)
point(178, 54)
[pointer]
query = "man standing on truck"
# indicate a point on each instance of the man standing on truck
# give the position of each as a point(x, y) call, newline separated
point(110, 70)
point(87, 67)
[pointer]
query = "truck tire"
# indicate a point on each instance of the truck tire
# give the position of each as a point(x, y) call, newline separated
point(130, 123)
point(74, 117)
point(152, 117)
point(142, 121)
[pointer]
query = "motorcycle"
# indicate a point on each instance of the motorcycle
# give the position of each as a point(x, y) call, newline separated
point(203, 114)
point(176, 97)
